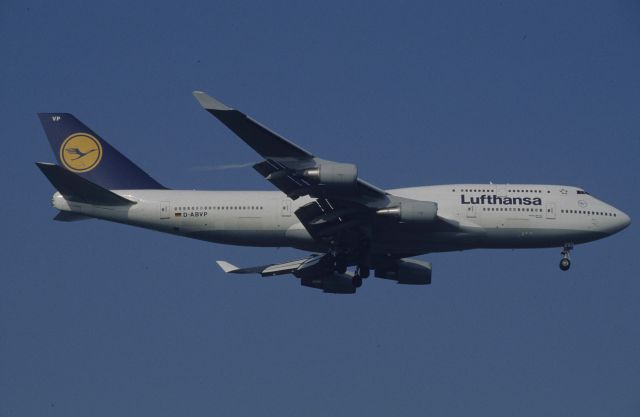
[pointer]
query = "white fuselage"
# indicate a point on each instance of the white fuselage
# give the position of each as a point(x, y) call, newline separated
point(472, 216)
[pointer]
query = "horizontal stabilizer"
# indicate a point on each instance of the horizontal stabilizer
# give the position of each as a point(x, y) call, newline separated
point(67, 216)
point(75, 188)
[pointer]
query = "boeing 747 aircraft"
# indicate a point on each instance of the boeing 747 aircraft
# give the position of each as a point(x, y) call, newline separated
point(351, 226)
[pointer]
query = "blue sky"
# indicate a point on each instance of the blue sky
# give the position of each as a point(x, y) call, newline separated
point(106, 320)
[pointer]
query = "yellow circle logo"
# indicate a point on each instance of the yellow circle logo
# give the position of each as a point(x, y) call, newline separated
point(81, 152)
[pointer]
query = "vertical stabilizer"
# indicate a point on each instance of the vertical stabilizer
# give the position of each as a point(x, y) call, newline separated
point(83, 152)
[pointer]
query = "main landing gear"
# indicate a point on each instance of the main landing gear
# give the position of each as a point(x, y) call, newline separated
point(340, 266)
point(357, 281)
point(565, 262)
point(340, 260)
point(361, 272)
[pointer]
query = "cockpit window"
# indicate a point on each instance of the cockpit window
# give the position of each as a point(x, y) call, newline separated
point(582, 192)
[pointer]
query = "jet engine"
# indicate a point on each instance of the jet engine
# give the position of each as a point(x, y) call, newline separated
point(407, 271)
point(412, 211)
point(333, 174)
point(334, 283)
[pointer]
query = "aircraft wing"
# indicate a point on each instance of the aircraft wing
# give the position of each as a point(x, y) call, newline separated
point(267, 143)
point(345, 207)
point(315, 271)
point(292, 169)
point(271, 269)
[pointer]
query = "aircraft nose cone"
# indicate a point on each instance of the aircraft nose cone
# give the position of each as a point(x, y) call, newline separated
point(621, 221)
point(617, 223)
point(624, 220)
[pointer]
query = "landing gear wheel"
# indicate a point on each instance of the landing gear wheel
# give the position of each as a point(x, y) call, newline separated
point(339, 263)
point(357, 281)
point(565, 263)
point(363, 271)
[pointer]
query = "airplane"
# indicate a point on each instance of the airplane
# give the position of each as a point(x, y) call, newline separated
point(351, 227)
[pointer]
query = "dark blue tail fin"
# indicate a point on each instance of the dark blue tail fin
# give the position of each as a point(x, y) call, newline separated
point(82, 151)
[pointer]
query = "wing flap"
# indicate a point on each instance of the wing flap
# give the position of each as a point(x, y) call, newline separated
point(278, 175)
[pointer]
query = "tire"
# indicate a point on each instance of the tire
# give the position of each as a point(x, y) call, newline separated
point(565, 264)
point(357, 281)
point(364, 272)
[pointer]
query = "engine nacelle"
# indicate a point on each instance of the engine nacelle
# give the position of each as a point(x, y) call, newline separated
point(332, 283)
point(407, 271)
point(334, 174)
point(412, 211)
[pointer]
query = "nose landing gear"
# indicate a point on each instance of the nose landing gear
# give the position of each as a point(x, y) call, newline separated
point(565, 262)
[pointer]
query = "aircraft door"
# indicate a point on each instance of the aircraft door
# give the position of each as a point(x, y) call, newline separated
point(165, 210)
point(471, 211)
point(286, 208)
point(550, 210)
